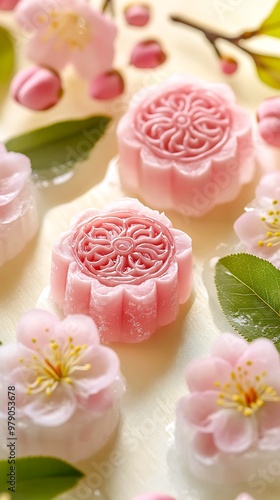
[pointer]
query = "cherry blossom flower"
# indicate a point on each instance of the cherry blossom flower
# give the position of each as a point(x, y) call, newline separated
point(185, 145)
point(231, 418)
point(67, 386)
point(18, 211)
point(125, 266)
point(68, 31)
point(258, 228)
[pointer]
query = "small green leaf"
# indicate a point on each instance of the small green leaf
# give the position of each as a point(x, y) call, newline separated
point(268, 68)
point(55, 149)
point(271, 25)
point(38, 478)
point(248, 290)
point(7, 56)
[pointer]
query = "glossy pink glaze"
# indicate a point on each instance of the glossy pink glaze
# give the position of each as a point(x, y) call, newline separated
point(125, 266)
point(185, 145)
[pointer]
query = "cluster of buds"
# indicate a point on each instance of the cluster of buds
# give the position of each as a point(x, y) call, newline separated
point(74, 32)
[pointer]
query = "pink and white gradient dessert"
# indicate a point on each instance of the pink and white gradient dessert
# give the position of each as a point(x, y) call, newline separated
point(185, 145)
point(228, 426)
point(67, 387)
point(258, 228)
point(125, 266)
point(18, 211)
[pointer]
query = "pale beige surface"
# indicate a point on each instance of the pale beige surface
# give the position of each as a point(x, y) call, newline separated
point(135, 460)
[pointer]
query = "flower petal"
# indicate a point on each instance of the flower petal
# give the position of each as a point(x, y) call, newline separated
point(35, 328)
point(269, 186)
point(104, 368)
point(261, 356)
point(269, 416)
point(233, 433)
point(203, 446)
point(202, 374)
point(198, 408)
point(229, 347)
point(51, 52)
point(250, 229)
point(80, 327)
point(97, 403)
point(53, 410)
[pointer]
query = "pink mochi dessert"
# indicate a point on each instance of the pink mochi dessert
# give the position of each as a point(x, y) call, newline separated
point(185, 145)
point(125, 266)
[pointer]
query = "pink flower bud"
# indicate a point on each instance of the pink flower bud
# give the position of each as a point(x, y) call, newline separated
point(147, 54)
point(36, 88)
point(107, 85)
point(228, 65)
point(8, 4)
point(268, 116)
point(137, 14)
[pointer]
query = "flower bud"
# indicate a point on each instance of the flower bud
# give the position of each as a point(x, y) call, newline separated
point(228, 65)
point(137, 14)
point(268, 116)
point(147, 54)
point(8, 4)
point(36, 88)
point(107, 85)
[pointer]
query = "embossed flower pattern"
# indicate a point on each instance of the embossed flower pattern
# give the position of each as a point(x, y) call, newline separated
point(185, 145)
point(125, 266)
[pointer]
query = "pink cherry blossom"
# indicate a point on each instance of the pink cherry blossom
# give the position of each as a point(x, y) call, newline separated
point(258, 228)
point(36, 88)
point(125, 266)
point(185, 145)
point(18, 211)
point(232, 414)
point(68, 32)
point(67, 386)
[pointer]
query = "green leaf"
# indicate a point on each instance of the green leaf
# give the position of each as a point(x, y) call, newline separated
point(55, 149)
point(271, 25)
point(7, 56)
point(38, 478)
point(248, 290)
point(268, 68)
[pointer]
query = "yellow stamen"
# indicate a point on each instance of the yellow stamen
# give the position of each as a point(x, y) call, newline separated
point(272, 228)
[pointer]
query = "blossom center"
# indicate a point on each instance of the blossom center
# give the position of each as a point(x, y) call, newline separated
point(54, 365)
point(246, 392)
point(69, 28)
point(271, 221)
